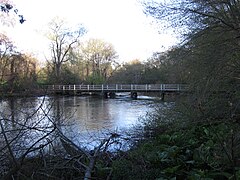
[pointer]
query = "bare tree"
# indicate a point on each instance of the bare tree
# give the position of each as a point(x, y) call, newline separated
point(193, 16)
point(62, 41)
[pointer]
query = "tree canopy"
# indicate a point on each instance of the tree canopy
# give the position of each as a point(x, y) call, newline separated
point(209, 55)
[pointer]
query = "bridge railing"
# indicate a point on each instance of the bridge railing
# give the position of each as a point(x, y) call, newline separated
point(119, 87)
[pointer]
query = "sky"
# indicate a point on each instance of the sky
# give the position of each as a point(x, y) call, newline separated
point(119, 22)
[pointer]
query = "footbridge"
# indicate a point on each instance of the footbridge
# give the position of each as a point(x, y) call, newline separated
point(109, 90)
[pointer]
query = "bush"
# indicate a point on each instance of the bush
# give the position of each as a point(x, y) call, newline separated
point(208, 151)
point(181, 144)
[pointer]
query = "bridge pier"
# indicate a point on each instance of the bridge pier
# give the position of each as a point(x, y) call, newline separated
point(109, 95)
point(105, 95)
point(162, 96)
point(112, 95)
point(134, 95)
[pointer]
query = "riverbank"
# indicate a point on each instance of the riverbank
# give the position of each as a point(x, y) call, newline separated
point(23, 93)
point(199, 152)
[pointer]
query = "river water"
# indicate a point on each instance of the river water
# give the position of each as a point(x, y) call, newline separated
point(78, 117)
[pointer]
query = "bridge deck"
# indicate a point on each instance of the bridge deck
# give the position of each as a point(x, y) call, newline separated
point(119, 88)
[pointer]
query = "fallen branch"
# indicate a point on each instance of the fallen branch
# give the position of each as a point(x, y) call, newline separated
point(74, 151)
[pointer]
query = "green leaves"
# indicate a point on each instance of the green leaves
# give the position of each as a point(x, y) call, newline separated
point(196, 153)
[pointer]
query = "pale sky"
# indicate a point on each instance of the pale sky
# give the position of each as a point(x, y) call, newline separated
point(119, 22)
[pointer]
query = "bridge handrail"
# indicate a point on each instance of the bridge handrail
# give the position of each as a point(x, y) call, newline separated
point(119, 87)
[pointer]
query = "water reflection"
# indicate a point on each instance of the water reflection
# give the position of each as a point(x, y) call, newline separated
point(77, 117)
point(24, 126)
point(92, 113)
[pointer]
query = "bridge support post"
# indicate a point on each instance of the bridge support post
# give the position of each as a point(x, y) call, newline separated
point(63, 90)
point(112, 95)
point(134, 95)
point(162, 96)
point(105, 95)
point(74, 90)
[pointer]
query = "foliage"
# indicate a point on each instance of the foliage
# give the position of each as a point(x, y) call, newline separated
point(164, 67)
point(131, 72)
point(205, 151)
point(201, 140)
point(18, 71)
point(95, 79)
point(93, 61)
point(209, 56)
point(67, 76)
point(98, 59)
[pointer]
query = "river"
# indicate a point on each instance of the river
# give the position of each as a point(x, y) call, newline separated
point(78, 117)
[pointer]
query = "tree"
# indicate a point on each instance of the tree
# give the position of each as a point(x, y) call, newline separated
point(26, 71)
point(211, 25)
point(210, 54)
point(196, 15)
point(99, 58)
point(210, 51)
point(17, 71)
point(62, 41)
point(6, 50)
point(131, 72)
point(166, 67)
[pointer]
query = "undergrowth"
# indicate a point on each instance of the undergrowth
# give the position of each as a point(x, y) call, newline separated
point(199, 152)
